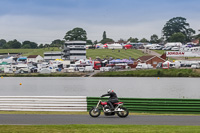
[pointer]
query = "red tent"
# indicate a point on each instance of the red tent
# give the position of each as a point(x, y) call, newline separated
point(128, 46)
point(105, 45)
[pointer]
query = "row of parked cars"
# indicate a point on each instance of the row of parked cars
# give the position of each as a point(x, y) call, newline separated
point(164, 48)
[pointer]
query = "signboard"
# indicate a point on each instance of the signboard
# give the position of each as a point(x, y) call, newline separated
point(182, 54)
point(175, 54)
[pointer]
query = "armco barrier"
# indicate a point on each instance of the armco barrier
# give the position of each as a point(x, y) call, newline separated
point(43, 103)
point(155, 105)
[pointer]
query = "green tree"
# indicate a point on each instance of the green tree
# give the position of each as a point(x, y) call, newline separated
point(104, 35)
point(103, 41)
point(77, 34)
point(89, 42)
point(95, 42)
point(135, 40)
point(176, 25)
point(2, 42)
point(144, 40)
point(177, 37)
point(47, 45)
point(197, 37)
point(161, 40)
point(154, 39)
point(57, 43)
point(29, 44)
point(13, 44)
point(41, 46)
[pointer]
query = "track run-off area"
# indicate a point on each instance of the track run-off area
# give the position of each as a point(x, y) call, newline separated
point(42, 119)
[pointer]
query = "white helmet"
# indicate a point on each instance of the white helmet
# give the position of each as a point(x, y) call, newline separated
point(109, 91)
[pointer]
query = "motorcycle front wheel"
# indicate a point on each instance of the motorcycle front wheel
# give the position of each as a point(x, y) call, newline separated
point(94, 112)
point(123, 113)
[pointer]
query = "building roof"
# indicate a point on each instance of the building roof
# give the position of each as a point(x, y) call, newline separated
point(145, 58)
point(69, 42)
point(32, 56)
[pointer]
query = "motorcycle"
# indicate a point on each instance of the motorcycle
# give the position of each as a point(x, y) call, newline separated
point(118, 109)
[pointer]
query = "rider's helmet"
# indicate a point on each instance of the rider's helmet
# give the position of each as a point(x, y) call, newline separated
point(109, 91)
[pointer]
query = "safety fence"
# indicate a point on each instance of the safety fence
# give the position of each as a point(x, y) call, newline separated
point(155, 105)
point(43, 103)
point(83, 103)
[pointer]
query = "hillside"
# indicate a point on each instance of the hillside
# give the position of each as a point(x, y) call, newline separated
point(93, 53)
point(121, 54)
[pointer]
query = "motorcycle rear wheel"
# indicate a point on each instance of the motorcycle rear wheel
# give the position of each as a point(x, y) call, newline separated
point(94, 113)
point(123, 113)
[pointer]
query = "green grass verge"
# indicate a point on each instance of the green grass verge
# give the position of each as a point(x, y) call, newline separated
point(98, 129)
point(152, 73)
point(134, 73)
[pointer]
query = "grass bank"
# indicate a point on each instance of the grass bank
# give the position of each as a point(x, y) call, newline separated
point(152, 73)
point(160, 51)
point(27, 52)
point(117, 54)
point(76, 74)
point(98, 129)
point(93, 53)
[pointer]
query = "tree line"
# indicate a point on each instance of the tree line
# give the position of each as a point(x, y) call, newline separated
point(14, 44)
point(175, 30)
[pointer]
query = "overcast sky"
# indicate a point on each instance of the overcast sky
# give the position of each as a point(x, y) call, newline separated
point(43, 21)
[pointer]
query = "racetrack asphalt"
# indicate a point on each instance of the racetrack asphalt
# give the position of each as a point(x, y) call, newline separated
point(33, 119)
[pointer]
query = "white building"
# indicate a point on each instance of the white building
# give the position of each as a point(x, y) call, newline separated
point(35, 58)
point(52, 55)
point(74, 50)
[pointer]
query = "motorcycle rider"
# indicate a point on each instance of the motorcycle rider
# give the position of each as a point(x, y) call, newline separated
point(112, 99)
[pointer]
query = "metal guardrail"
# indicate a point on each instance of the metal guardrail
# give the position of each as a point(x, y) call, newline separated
point(43, 103)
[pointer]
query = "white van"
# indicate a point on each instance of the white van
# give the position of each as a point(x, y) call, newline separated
point(144, 66)
point(70, 69)
point(89, 69)
point(81, 69)
point(195, 65)
point(105, 69)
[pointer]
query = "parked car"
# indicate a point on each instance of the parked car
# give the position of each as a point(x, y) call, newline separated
point(175, 48)
point(34, 69)
point(195, 66)
point(159, 47)
point(106, 69)
point(153, 48)
point(167, 48)
point(118, 67)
